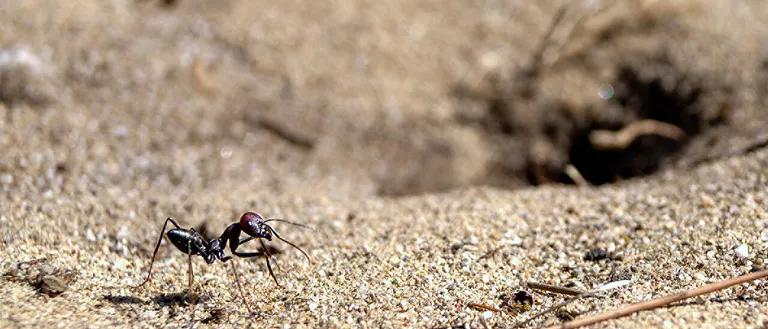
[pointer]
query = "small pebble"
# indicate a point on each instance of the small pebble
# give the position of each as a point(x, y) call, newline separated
point(119, 264)
point(473, 240)
point(487, 315)
point(742, 251)
point(6, 179)
point(123, 232)
point(89, 235)
point(52, 286)
point(596, 255)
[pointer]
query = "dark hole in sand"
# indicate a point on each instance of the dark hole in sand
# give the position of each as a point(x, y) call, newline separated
point(535, 135)
point(674, 98)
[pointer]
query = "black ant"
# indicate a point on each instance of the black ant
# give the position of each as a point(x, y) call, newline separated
point(192, 243)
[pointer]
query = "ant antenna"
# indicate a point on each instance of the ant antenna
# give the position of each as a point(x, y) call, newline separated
point(287, 222)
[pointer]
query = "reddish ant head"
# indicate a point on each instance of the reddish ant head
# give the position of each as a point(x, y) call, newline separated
point(253, 224)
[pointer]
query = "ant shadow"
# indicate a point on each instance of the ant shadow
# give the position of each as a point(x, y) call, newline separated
point(178, 299)
point(120, 299)
point(163, 300)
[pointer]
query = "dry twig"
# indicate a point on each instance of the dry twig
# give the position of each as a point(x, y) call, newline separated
point(483, 307)
point(555, 289)
point(584, 294)
point(660, 302)
point(618, 140)
point(575, 175)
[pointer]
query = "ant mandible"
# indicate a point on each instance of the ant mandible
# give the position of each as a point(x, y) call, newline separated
point(192, 243)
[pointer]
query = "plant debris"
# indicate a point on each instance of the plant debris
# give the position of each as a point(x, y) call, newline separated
point(43, 276)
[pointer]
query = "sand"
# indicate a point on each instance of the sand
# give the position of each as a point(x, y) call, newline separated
point(120, 114)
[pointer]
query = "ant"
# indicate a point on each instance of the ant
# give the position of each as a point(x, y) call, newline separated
point(192, 243)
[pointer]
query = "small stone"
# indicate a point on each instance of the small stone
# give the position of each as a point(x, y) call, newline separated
point(511, 239)
point(707, 201)
point(487, 315)
point(23, 77)
point(742, 251)
point(596, 254)
point(119, 264)
point(6, 179)
point(90, 236)
point(313, 306)
point(123, 232)
point(486, 278)
point(52, 286)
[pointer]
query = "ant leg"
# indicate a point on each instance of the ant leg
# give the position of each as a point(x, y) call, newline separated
point(245, 240)
point(240, 288)
point(289, 242)
point(266, 255)
point(242, 241)
point(235, 242)
point(190, 272)
point(157, 246)
point(191, 281)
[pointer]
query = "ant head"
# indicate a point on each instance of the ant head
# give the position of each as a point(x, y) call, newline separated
point(253, 224)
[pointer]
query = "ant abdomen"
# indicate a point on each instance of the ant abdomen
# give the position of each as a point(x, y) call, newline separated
point(185, 240)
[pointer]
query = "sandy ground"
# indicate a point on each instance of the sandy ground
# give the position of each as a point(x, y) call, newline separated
point(116, 115)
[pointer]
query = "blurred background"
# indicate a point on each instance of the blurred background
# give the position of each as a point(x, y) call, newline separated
point(366, 98)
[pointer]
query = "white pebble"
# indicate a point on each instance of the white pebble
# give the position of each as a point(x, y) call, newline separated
point(119, 264)
point(123, 232)
point(312, 306)
point(487, 314)
point(742, 251)
point(486, 278)
point(6, 179)
point(90, 236)
point(473, 240)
